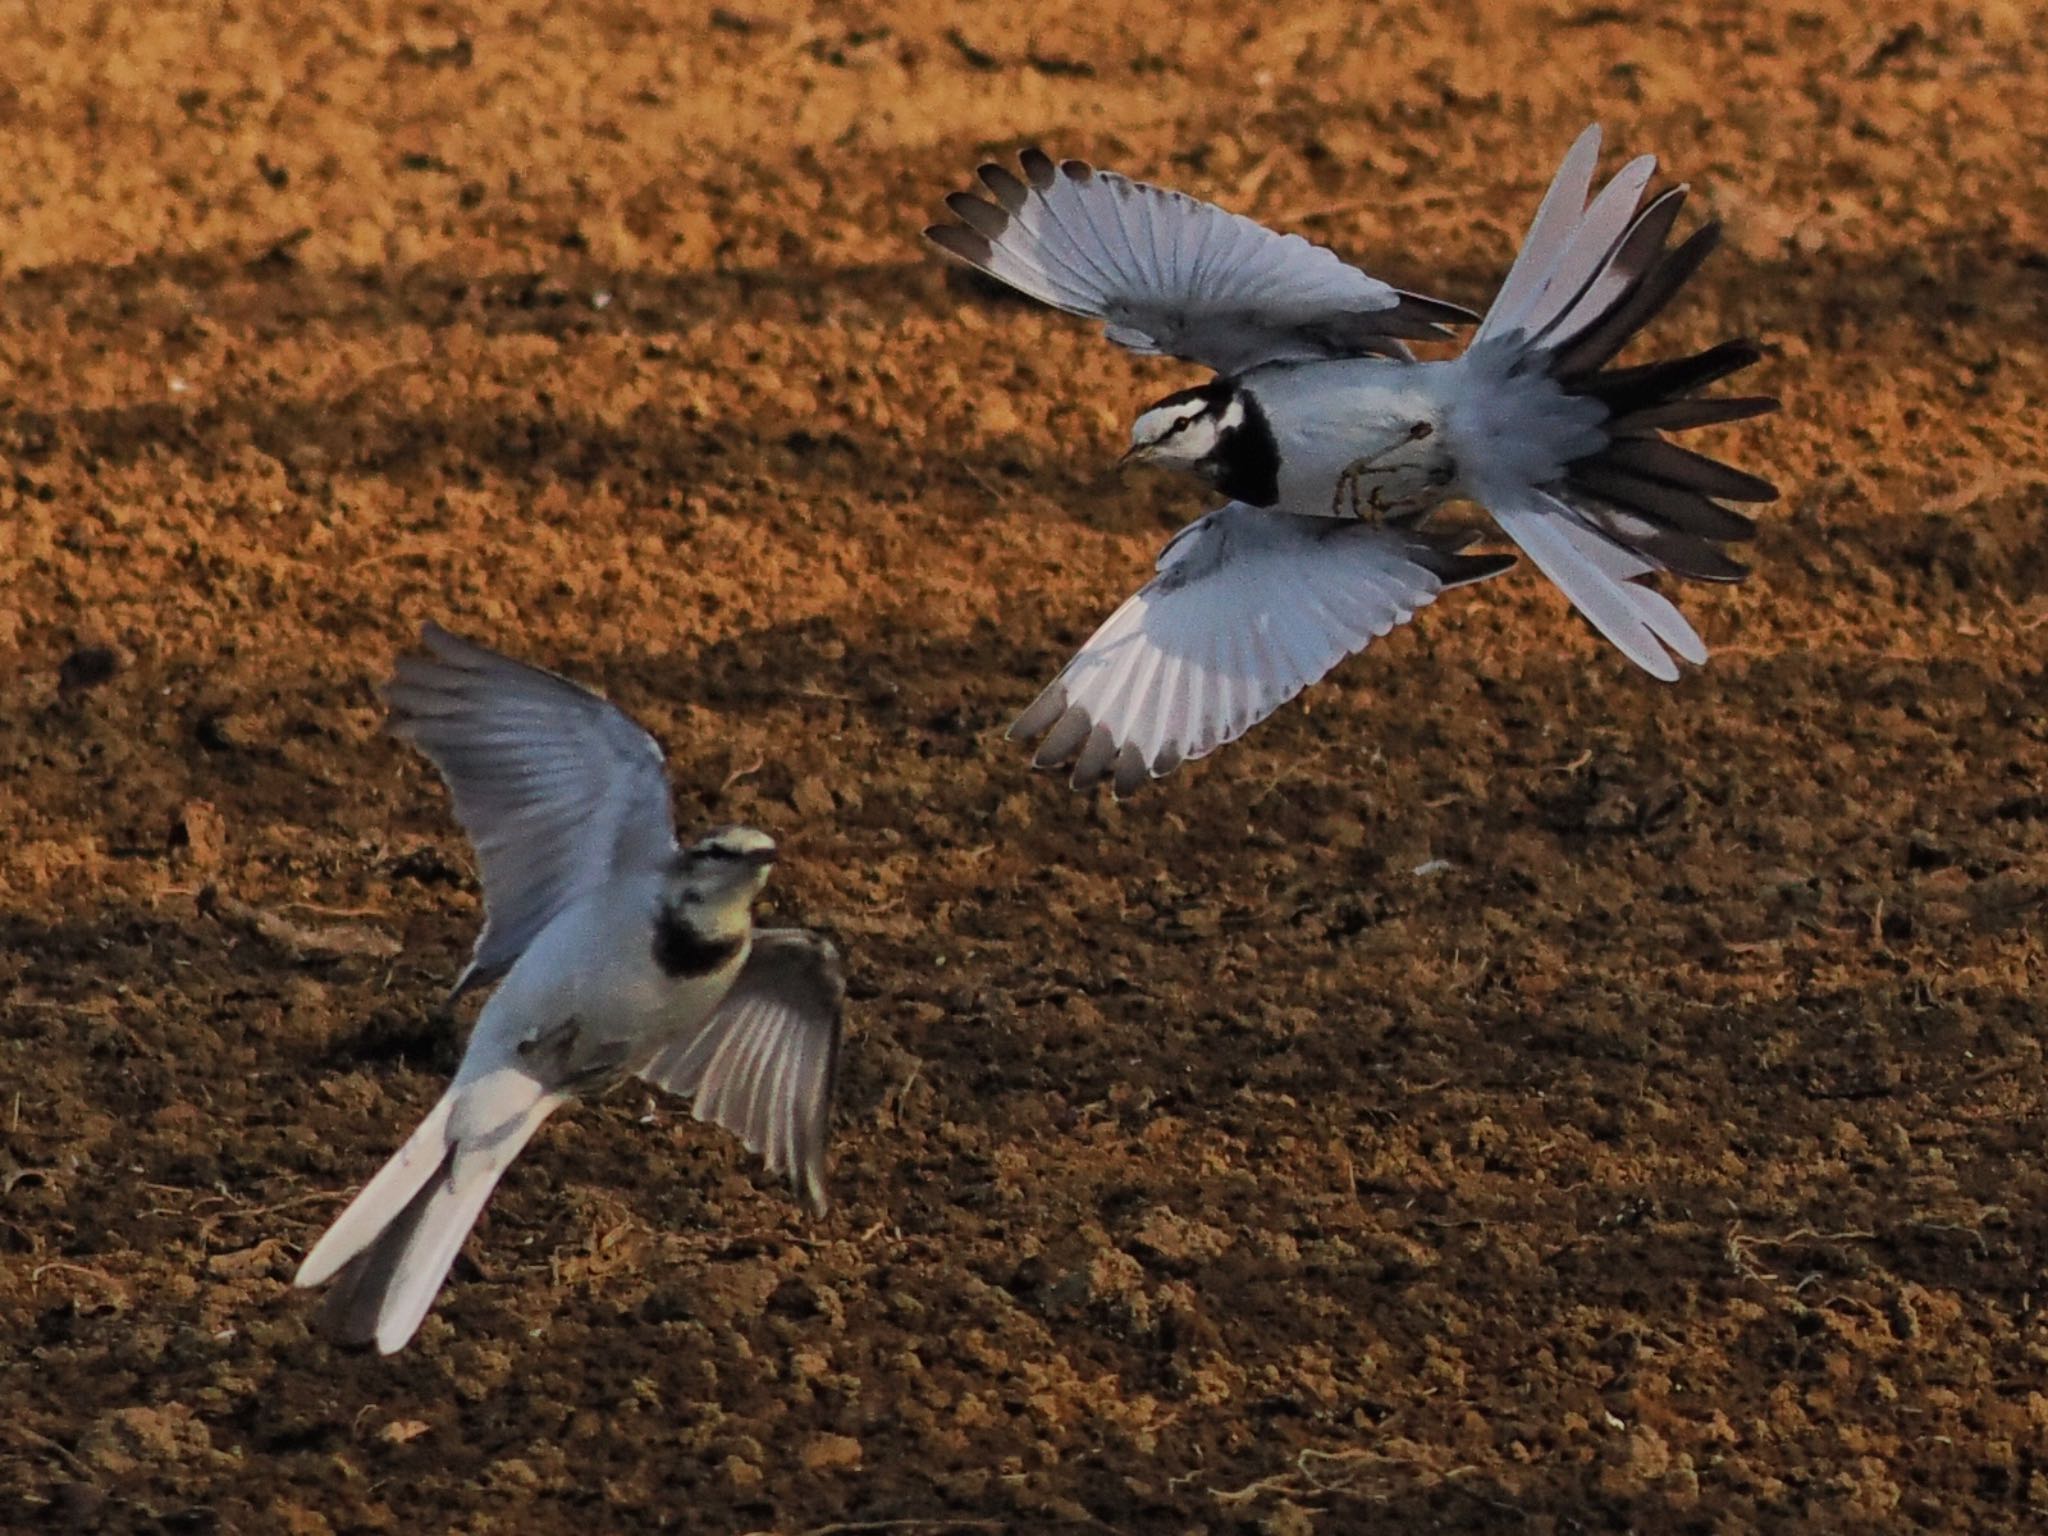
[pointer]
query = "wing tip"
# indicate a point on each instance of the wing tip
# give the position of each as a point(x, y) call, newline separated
point(808, 1184)
point(1003, 184)
point(959, 241)
point(982, 217)
point(1442, 554)
point(1040, 715)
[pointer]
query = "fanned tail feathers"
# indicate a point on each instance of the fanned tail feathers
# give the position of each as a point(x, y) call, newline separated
point(1589, 278)
point(1581, 289)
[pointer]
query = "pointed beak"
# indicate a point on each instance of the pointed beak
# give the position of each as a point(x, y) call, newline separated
point(761, 858)
point(1137, 453)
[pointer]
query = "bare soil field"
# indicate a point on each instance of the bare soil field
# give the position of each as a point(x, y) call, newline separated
point(1502, 1093)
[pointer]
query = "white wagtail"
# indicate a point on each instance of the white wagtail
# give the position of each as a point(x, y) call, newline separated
point(618, 953)
point(1318, 411)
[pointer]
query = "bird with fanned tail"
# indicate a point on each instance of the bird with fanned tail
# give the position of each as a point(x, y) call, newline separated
point(1335, 444)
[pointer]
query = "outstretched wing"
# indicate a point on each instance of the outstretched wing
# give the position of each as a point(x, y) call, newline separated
point(764, 1065)
point(1168, 273)
point(558, 791)
point(1249, 607)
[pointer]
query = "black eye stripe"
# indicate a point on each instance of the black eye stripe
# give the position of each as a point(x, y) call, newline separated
point(1182, 423)
point(725, 852)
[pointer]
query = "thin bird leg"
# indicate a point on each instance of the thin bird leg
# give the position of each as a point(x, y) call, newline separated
point(1367, 503)
point(1351, 483)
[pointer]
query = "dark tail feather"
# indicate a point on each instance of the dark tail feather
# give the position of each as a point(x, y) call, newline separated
point(1645, 492)
point(1640, 303)
point(1668, 506)
point(1443, 558)
point(1625, 391)
point(1676, 415)
point(1683, 554)
point(1654, 458)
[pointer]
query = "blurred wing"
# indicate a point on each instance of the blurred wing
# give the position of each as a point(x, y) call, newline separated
point(1603, 580)
point(1168, 273)
point(1249, 607)
point(557, 789)
point(763, 1065)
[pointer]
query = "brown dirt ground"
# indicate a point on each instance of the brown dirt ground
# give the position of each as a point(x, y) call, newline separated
point(1673, 1160)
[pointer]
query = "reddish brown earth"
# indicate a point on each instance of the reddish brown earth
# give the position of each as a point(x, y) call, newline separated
point(1672, 1160)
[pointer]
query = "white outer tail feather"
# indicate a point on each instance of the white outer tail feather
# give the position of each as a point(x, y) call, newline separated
point(396, 1242)
point(1600, 579)
point(1556, 217)
point(357, 1227)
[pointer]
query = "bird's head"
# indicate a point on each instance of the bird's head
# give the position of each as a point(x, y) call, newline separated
point(1216, 432)
point(1190, 429)
point(717, 877)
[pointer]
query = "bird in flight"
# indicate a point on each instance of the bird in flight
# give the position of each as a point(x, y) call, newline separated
point(616, 953)
point(1335, 445)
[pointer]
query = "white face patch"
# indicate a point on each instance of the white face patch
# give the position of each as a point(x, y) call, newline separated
point(1184, 432)
point(720, 874)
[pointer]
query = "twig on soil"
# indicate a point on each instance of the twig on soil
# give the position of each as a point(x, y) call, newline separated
point(934, 1523)
point(317, 910)
point(1320, 1474)
point(1740, 1245)
point(297, 938)
point(1279, 1482)
point(240, 1206)
point(318, 1197)
point(1309, 1476)
point(113, 1286)
point(43, 1442)
point(999, 494)
point(1974, 1234)
point(1981, 1075)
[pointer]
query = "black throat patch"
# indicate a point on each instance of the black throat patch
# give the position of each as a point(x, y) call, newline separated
point(682, 950)
point(1246, 463)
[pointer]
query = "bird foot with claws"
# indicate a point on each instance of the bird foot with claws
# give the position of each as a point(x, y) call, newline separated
point(1354, 497)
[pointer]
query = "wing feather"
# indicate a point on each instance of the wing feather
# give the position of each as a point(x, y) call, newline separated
point(1248, 607)
point(764, 1065)
point(1168, 273)
point(558, 790)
